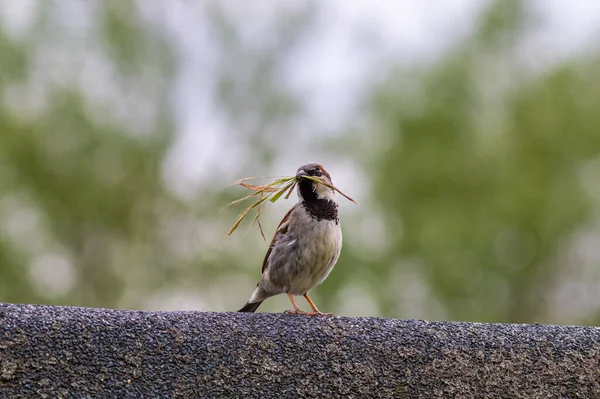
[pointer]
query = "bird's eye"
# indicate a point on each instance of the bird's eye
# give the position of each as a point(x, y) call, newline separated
point(317, 173)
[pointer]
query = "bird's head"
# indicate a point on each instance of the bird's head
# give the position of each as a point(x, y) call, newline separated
point(308, 189)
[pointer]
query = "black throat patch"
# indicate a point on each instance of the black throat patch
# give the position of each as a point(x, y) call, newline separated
point(322, 209)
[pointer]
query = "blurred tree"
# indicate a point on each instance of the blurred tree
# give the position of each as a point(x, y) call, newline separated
point(85, 125)
point(479, 180)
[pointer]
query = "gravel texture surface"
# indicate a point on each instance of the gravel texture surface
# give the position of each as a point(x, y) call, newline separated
point(69, 352)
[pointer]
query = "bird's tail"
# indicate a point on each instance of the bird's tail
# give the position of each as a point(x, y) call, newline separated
point(250, 307)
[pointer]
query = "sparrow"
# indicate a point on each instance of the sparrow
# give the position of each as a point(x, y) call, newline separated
point(305, 247)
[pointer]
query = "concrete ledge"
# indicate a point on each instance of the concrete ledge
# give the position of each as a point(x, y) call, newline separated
point(67, 352)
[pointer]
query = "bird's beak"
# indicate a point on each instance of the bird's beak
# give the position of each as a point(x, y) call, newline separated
point(301, 174)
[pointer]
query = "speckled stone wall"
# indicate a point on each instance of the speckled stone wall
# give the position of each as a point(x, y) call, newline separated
point(67, 352)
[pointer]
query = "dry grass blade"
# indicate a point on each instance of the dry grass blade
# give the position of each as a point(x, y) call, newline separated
point(281, 186)
point(258, 188)
point(291, 190)
point(237, 182)
point(264, 192)
point(281, 192)
point(257, 217)
point(237, 201)
point(242, 216)
point(237, 222)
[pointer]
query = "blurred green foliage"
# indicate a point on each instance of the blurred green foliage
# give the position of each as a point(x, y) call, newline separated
point(483, 191)
point(81, 167)
point(476, 170)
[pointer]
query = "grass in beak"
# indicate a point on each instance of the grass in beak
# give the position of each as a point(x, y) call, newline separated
point(272, 191)
point(334, 188)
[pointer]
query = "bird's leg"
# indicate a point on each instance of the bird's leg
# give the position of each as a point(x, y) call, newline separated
point(296, 310)
point(315, 311)
point(311, 303)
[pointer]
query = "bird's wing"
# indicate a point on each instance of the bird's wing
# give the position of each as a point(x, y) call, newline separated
point(282, 228)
